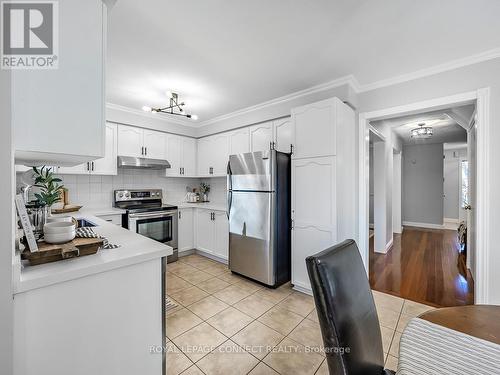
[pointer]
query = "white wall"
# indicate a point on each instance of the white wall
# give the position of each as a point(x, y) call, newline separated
point(460, 80)
point(452, 171)
point(380, 203)
point(97, 191)
point(397, 192)
point(7, 225)
point(423, 184)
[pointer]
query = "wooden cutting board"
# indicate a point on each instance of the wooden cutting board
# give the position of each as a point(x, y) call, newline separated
point(48, 253)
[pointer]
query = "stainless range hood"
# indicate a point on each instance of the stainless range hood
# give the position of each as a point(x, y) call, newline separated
point(130, 162)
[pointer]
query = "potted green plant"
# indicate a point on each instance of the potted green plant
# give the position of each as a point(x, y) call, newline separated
point(204, 190)
point(49, 185)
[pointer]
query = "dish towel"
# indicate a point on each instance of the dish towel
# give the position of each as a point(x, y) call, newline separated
point(87, 232)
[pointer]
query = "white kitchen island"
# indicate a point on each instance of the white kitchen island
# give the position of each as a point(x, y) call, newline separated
point(98, 314)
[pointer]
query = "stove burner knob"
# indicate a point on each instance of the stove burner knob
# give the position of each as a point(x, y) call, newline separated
point(127, 195)
point(120, 195)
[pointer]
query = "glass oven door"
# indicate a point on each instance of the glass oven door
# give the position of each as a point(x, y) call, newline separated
point(159, 226)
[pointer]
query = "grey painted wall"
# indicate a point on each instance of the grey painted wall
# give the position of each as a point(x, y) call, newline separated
point(423, 183)
point(6, 229)
point(452, 181)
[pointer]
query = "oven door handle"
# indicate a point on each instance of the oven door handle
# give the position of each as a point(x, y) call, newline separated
point(152, 215)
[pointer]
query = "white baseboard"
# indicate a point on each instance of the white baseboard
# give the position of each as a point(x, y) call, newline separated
point(450, 220)
point(423, 225)
point(389, 245)
point(302, 288)
point(213, 257)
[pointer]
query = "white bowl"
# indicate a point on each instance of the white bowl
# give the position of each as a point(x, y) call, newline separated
point(59, 237)
point(59, 227)
point(56, 219)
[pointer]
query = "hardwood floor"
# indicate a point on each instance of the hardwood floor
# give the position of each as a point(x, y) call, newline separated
point(422, 267)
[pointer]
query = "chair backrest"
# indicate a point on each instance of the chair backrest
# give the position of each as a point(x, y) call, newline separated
point(346, 311)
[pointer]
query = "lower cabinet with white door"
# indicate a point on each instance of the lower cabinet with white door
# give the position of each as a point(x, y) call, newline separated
point(185, 229)
point(212, 233)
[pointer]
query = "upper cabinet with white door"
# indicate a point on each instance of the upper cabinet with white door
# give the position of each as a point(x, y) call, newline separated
point(58, 115)
point(102, 166)
point(315, 128)
point(181, 154)
point(141, 143)
point(213, 155)
point(261, 136)
point(239, 141)
point(283, 134)
point(323, 181)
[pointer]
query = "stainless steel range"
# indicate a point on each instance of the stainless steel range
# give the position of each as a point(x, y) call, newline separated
point(147, 215)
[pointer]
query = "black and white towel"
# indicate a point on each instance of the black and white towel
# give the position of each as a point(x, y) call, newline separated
point(86, 232)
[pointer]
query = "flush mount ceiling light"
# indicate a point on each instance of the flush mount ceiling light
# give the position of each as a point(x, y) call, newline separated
point(422, 132)
point(174, 108)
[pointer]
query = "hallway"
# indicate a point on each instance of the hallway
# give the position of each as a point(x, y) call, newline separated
point(422, 267)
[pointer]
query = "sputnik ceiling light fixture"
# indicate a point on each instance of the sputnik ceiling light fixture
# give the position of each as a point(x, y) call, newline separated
point(174, 108)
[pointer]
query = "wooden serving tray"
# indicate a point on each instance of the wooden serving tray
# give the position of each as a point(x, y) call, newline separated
point(66, 209)
point(48, 253)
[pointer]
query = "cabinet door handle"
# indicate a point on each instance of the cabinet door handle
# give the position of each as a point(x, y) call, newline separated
point(88, 166)
point(142, 150)
point(180, 215)
point(183, 170)
point(92, 166)
point(145, 150)
point(180, 170)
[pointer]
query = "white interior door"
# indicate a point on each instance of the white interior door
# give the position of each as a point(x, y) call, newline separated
point(471, 208)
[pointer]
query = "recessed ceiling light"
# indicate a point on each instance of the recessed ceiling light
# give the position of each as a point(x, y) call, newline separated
point(194, 117)
point(145, 108)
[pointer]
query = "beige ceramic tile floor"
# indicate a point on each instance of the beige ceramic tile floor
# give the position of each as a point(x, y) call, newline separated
point(225, 324)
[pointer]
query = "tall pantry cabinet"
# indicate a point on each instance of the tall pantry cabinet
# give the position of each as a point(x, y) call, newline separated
point(323, 181)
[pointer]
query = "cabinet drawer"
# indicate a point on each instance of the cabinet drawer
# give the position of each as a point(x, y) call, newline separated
point(115, 218)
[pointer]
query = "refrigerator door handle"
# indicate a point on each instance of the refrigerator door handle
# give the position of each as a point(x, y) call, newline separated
point(229, 202)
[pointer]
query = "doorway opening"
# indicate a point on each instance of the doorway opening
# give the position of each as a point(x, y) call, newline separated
point(424, 188)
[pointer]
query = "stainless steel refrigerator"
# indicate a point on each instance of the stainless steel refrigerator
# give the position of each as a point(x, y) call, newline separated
point(259, 216)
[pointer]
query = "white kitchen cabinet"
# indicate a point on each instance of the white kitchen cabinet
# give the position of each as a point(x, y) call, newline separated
point(181, 154)
point(112, 218)
point(221, 154)
point(315, 130)
point(102, 166)
point(107, 164)
point(130, 141)
point(221, 229)
point(174, 154)
point(154, 144)
point(185, 231)
point(313, 212)
point(141, 143)
point(205, 234)
point(261, 136)
point(213, 155)
point(212, 232)
point(58, 115)
point(283, 134)
point(323, 181)
point(239, 141)
point(188, 156)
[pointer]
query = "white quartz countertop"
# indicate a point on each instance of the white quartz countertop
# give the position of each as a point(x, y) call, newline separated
point(207, 206)
point(134, 249)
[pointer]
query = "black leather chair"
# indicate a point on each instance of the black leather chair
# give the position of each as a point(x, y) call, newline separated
point(346, 311)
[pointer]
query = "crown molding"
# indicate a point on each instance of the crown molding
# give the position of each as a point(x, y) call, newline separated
point(450, 65)
point(171, 120)
point(346, 80)
point(350, 80)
